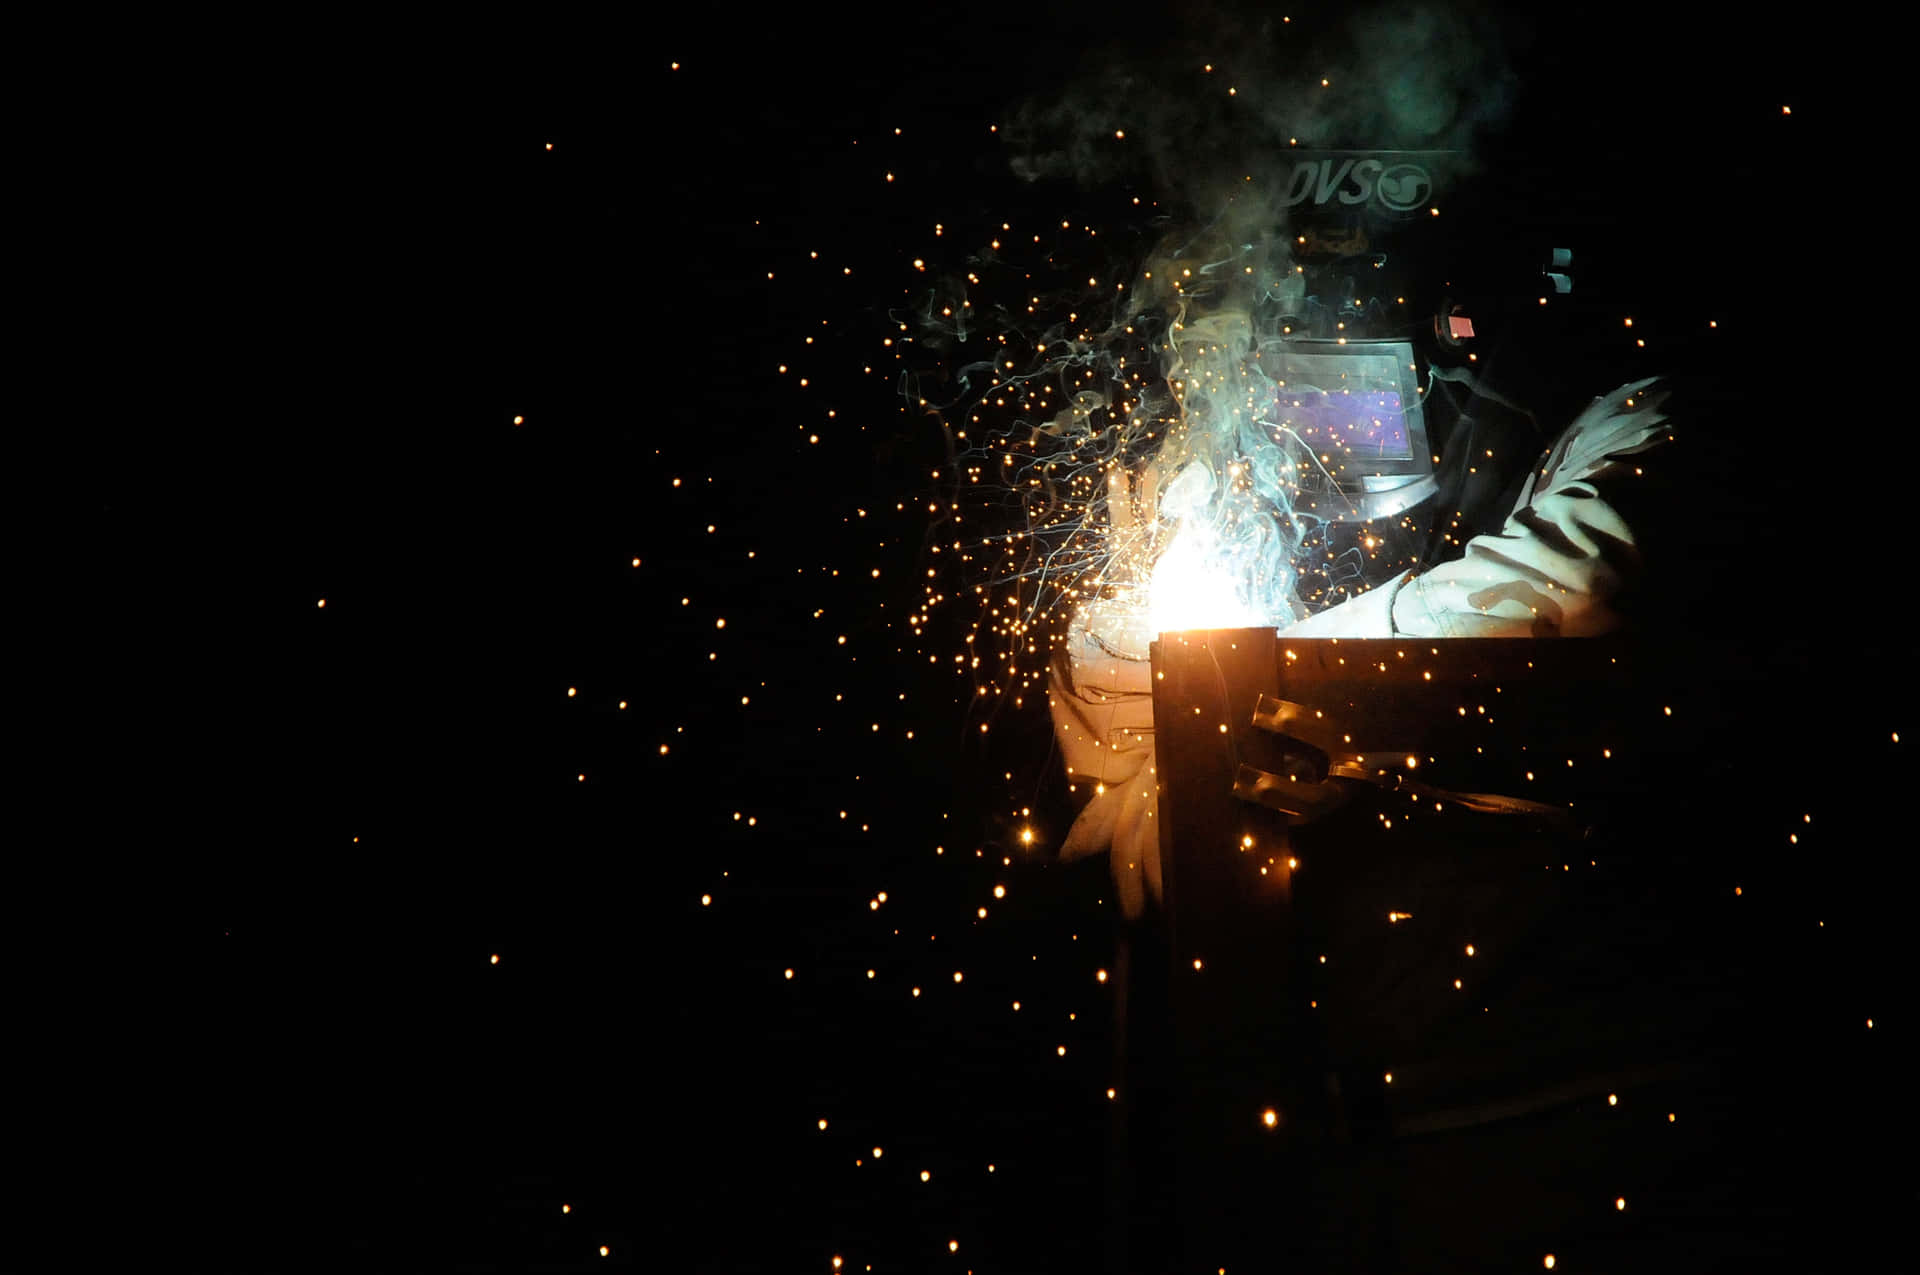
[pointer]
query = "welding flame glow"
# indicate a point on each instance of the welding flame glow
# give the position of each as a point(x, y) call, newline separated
point(1193, 586)
point(1179, 502)
point(1142, 466)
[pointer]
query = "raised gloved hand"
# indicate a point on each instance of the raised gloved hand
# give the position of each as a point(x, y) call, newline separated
point(1555, 568)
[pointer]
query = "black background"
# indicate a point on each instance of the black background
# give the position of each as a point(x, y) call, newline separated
point(378, 251)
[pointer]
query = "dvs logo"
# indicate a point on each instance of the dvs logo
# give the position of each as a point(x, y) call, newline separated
point(1400, 187)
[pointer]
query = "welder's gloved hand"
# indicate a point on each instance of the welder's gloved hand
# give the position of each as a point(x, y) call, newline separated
point(1101, 698)
point(1557, 566)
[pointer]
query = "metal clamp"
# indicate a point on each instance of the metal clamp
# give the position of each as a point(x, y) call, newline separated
point(1324, 767)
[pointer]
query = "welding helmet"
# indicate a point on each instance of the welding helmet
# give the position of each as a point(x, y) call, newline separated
point(1351, 417)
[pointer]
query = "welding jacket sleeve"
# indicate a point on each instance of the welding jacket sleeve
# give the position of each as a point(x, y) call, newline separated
point(1557, 565)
